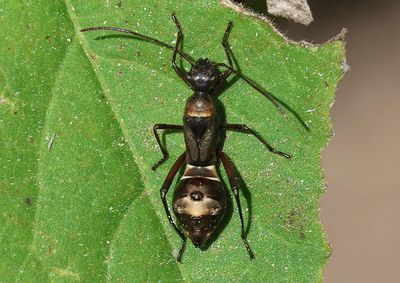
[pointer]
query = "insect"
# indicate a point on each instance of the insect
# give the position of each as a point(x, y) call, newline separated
point(199, 200)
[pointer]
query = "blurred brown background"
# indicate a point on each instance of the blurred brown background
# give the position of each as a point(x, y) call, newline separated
point(361, 208)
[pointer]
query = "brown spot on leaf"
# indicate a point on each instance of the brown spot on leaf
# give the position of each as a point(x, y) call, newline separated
point(28, 201)
point(295, 222)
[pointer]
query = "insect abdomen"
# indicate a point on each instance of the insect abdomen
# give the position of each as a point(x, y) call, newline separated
point(199, 203)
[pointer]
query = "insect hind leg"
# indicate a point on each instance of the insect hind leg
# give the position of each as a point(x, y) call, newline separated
point(163, 193)
point(235, 189)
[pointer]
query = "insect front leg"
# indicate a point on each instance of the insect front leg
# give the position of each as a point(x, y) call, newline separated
point(163, 193)
point(235, 189)
point(157, 127)
point(179, 37)
point(225, 44)
point(244, 129)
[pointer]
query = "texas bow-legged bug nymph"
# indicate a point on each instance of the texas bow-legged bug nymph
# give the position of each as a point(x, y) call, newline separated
point(199, 200)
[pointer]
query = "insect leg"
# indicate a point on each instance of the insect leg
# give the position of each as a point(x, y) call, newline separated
point(163, 150)
point(227, 49)
point(181, 73)
point(163, 193)
point(243, 128)
point(269, 96)
point(230, 69)
point(225, 44)
point(235, 189)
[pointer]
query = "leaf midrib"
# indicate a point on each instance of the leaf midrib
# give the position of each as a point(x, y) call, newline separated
point(85, 46)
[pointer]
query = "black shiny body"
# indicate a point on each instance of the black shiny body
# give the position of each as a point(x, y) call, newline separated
point(200, 127)
point(199, 205)
point(199, 200)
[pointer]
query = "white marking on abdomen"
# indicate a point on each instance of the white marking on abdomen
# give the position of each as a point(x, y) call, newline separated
point(199, 176)
point(206, 206)
point(210, 170)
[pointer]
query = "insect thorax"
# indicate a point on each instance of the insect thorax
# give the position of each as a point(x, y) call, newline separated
point(200, 129)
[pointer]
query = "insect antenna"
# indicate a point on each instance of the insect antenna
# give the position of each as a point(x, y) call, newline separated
point(144, 37)
point(269, 96)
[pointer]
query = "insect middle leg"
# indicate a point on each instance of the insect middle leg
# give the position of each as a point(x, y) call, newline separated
point(157, 127)
point(235, 189)
point(163, 193)
point(243, 128)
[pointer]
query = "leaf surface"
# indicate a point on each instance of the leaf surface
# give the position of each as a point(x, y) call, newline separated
point(79, 201)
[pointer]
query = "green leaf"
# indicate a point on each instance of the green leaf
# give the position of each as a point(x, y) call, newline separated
point(78, 199)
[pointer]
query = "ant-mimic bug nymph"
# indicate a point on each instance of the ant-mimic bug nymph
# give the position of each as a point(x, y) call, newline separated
point(199, 201)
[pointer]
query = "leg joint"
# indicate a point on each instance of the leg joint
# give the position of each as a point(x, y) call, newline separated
point(163, 193)
point(246, 128)
point(235, 189)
